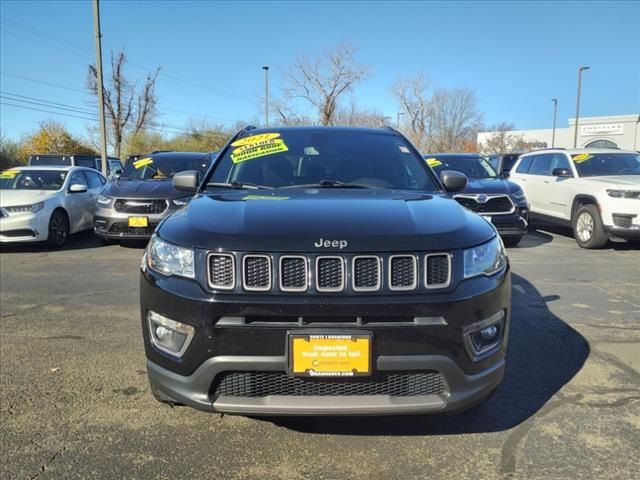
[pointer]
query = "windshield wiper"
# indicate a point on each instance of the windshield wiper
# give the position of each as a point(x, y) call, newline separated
point(237, 185)
point(330, 184)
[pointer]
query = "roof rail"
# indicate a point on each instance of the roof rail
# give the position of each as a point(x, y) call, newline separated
point(248, 128)
point(389, 127)
point(547, 148)
point(161, 151)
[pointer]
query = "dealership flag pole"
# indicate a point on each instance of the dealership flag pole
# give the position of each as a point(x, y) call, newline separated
point(103, 129)
point(555, 113)
point(575, 132)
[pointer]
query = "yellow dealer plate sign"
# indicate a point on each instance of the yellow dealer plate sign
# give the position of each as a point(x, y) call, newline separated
point(138, 221)
point(330, 355)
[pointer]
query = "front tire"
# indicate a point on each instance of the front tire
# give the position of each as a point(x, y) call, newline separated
point(511, 241)
point(58, 229)
point(587, 228)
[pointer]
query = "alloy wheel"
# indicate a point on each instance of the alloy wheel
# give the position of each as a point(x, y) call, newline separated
point(584, 226)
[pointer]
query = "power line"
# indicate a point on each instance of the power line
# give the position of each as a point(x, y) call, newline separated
point(43, 82)
point(27, 99)
point(46, 111)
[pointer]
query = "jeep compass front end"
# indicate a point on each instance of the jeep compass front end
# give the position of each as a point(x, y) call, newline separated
point(324, 271)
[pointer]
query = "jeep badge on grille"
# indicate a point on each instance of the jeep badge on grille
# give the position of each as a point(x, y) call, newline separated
point(331, 244)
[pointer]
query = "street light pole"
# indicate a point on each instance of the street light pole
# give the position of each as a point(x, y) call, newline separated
point(103, 127)
point(555, 113)
point(398, 119)
point(266, 95)
point(575, 133)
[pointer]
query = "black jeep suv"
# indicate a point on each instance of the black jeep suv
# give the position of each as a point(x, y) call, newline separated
point(324, 271)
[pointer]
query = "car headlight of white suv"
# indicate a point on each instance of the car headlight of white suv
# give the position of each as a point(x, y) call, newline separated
point(486, 259)
point(624, 193)
point(168, 259)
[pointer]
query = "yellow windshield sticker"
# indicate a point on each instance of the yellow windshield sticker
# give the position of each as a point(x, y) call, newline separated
point(9, 173)
point(142, 162)
point(433, 162)
point(582, 157)
point(257, 149)
point(264, 197)
point(255, 139)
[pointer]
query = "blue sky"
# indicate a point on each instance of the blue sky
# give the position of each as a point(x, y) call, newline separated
point(515, 55)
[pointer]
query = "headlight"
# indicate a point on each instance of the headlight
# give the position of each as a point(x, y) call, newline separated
point(181, 202)
point(104, 201)
point(624, 193)
point(36, 207)
point(485, 259)
point(169, 259)
point(168, 335)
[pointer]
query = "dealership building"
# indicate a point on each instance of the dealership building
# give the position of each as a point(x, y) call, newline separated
point(616, 131)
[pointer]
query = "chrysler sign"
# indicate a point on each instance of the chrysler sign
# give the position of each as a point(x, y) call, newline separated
point(604, 129)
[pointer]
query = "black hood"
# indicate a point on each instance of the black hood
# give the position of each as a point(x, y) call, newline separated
point(126, 188)
point(294, 220)
point(490, 186)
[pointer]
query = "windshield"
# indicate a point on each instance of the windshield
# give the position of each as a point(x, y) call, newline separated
point(164, 167)
point(472, 167)
point(15, 179)
point(603, 164)
point(317, 157)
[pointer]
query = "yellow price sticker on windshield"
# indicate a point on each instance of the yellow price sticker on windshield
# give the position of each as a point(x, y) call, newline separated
point(254, 139)
point(259, 149)
point(9, 173)
point(433, 162)
point(142, 162)
point(582, 157)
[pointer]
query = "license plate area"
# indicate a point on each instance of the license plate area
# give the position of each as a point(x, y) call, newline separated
point(139, 222)
point(326, 354)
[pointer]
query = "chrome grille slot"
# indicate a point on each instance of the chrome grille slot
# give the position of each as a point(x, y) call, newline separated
point(142, 206)
point(293, 274)
point(256, 272)
point(366, 274)
point(403, 272)
point(437, 268)
point(330, 274)
point(222, 272)
point(495, 205)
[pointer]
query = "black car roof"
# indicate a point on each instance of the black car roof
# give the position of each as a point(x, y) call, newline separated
point(185, 155)
point(470, 156)
point(319, 128)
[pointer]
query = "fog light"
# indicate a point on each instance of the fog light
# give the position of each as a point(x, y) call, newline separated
point(489, 333)
point(483, 338)
point(168, 335)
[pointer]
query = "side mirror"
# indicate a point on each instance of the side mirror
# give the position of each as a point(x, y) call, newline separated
point(77, 188)
point(187, 181)
point(505, 174)
point(562, 172)
point(453, 181)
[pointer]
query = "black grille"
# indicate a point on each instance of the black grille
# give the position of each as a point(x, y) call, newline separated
point(492, 205)
point(149, 207)
point(256, 273)
point(262, 384)
point(221, 271)
point(330, 273)
point(403, 272)
point(123, 228)
point(624, 221)
point(437, 270)
point(293, 273)
point(366, 273)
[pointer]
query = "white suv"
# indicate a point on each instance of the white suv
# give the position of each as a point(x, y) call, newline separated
point(595, 191)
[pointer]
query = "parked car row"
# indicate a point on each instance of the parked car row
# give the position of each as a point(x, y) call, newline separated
point(47, 203)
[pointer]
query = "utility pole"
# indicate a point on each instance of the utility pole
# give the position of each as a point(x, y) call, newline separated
point(266, 95)
point(103, 127)
point(555, 113)
point(398, 119)
point(575, 133)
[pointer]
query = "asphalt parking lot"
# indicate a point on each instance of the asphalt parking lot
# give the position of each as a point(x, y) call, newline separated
point(75, 401)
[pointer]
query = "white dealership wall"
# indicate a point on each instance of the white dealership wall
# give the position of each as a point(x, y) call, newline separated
point(623, 130)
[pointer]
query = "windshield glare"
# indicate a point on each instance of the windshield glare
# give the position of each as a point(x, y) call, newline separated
point(32, 179)
point(165, 167)
point(472, 167)
point(305, 158)
point(603, 164)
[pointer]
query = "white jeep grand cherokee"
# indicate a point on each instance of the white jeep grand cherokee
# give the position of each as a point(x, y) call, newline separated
point(595, 191)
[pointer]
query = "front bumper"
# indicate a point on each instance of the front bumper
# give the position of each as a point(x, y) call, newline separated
point(110, 224)
point(220, 345)
point(25, 227)
point(626, 233)
point(512, 224)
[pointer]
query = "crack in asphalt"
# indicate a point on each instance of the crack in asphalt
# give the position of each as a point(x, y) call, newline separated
point(44, 466)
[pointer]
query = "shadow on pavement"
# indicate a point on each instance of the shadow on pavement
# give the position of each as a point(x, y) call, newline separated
point(544, 354)
point(77, 241)
point(533, 239)
point(540, 228)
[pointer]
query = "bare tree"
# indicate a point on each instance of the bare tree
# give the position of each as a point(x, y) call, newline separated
point(412, 95)
point(454, 119)
point(354, 116)
point(504, 140)
point(127, 110)
point(321, 81)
